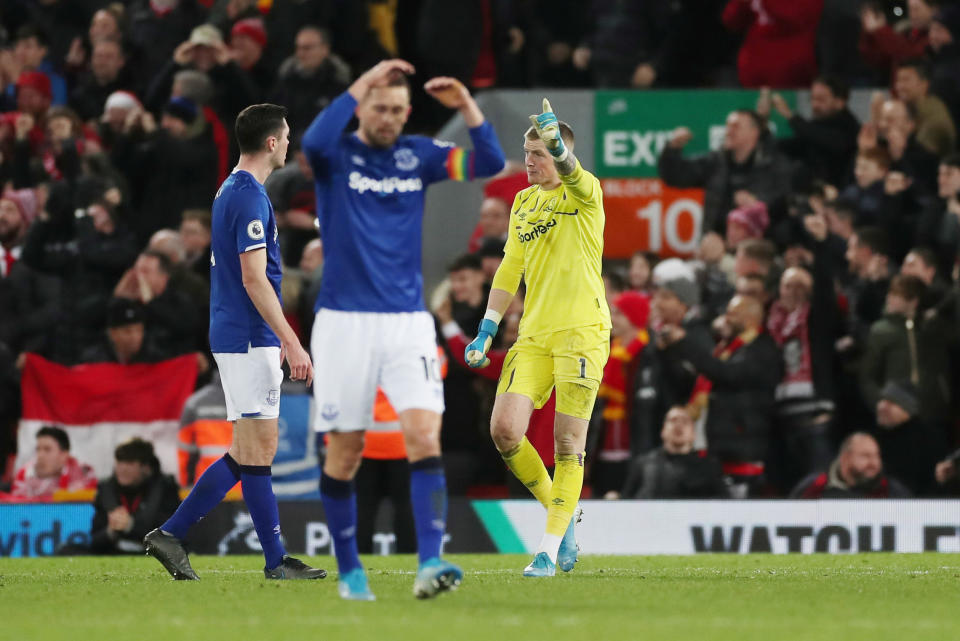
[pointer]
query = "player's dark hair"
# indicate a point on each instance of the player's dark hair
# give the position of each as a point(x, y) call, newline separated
point(566, 134)
point(872, 237)
point(166, 266)
point(837, 85)
point(56, 434)
point(466, 261)
point(256, 123)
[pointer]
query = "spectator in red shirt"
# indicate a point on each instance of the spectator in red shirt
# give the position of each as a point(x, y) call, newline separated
point(883, 46)
point(779, 47)
point(52, 469)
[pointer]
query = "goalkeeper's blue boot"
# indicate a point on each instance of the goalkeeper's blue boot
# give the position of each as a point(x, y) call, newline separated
point(540, 567)
point(435, 576)
point(353, 586)
point(567, 554)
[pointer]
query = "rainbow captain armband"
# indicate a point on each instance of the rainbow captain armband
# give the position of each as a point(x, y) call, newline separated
point(459, 164)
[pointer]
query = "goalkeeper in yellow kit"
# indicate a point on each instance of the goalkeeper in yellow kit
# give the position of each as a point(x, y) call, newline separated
point(555, 243)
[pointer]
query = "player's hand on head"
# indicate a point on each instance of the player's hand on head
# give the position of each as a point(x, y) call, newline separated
point(548, 128)
point(449, 92)
point(381, 73)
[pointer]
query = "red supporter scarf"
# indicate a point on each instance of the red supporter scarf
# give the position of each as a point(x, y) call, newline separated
point(791, 331)
point(613, 387)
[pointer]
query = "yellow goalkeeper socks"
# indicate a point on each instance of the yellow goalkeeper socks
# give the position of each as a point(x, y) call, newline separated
point(567, 483)
point(527, 466)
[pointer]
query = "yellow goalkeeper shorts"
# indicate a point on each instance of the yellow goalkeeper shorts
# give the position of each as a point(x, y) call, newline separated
point(535, 364)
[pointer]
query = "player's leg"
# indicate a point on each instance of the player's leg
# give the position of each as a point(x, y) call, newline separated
point(344, 389)
point(369, 480)
point(339, 495)
point(398, 483)
point(428, 498)
point(412, 381)
point(579, 357)
point(525, 383)
point(164, 543)
point(254, 446)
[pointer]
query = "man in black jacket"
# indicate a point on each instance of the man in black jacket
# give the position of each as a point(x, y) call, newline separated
point(134, 500)
point(311, 78)
point(907, 346)
point(827, 142)
point(663, 377)
point(736, 389)
point(676, 470)
point(171, 316)
point(747, 169)
point(183, 146)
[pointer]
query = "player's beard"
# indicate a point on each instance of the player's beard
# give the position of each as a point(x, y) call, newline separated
point(381, 139)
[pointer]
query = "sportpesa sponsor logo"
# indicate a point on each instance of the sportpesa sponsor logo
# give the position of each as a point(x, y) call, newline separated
point(536, 231)
point(389, 185)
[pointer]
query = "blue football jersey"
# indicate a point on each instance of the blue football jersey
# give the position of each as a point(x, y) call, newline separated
point(242, 221)
point(370, 205)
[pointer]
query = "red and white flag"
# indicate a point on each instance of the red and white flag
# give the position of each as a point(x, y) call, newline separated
point(101, 405)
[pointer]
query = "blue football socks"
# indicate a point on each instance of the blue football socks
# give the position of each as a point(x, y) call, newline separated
point(262, 505)
point(210, 489)
point(428, 494)
point(340, 506)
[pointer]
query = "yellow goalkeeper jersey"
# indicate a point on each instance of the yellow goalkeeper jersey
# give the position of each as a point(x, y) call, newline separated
point(558, 235)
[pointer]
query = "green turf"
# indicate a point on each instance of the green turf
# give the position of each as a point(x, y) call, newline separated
point(770, 598)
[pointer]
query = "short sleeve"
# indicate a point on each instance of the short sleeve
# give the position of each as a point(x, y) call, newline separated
point(251, 221)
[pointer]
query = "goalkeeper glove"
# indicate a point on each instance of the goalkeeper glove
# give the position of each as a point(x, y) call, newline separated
point(548, 128)
point(476, 352)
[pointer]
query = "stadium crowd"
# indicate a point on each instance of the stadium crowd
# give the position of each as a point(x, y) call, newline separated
point(810, 348)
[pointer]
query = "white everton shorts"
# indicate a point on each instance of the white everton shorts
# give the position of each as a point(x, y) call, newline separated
point(251, 382)
point(355, 352)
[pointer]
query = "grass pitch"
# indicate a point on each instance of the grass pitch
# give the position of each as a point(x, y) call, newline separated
point(763, 597)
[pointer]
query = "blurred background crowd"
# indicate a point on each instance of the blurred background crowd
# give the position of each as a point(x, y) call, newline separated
point(808, 348)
